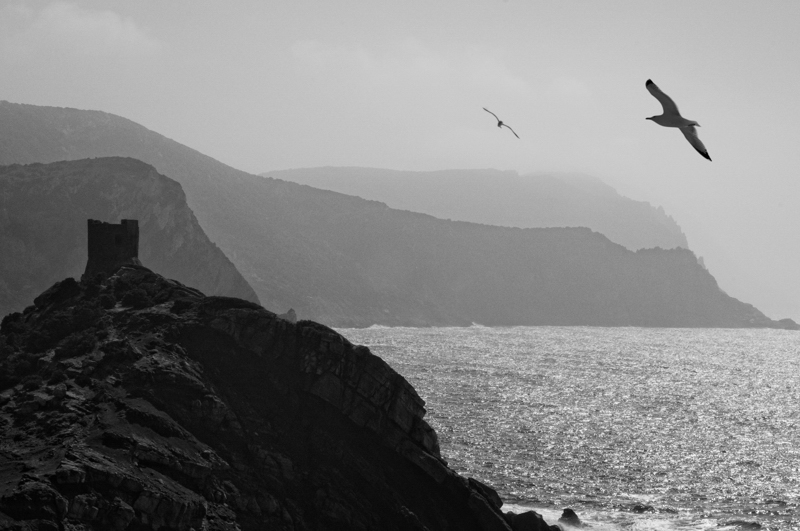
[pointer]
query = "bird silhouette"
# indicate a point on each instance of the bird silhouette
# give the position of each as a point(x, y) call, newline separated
point(500, 122)
point(671, 117)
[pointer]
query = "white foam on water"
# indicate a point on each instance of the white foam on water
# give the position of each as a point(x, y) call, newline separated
point(699, 425)
point(602, 520)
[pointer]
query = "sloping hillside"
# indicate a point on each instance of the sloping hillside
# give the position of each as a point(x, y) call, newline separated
point(43, 213)
point(505, 198)
point(346, 261)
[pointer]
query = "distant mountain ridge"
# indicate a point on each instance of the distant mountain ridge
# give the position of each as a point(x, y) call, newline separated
point(504, 198)
point(346, 261)
point(43, 236)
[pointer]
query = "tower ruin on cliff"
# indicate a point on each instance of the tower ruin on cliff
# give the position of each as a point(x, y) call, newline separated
point(111, 245)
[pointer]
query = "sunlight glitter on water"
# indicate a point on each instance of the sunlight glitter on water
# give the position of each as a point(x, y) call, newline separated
point(703, 423)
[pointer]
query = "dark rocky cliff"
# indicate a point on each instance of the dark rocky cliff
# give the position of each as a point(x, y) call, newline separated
point(43, 213)
point(135, 402)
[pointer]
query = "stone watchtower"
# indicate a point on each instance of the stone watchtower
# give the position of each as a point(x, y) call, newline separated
point(111, 245)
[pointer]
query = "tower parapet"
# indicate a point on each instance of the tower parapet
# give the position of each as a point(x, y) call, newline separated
point(111, 245)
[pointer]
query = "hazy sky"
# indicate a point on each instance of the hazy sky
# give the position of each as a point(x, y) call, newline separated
point(266, 85)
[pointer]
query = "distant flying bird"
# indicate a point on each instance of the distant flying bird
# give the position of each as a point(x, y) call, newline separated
point(671, 117)
point(500, 122)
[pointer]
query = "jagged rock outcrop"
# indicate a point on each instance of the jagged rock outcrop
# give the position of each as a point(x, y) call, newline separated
point(570, 518)
point(135, 402)
point(43, 214)
point(529, 521)
point(290, 316)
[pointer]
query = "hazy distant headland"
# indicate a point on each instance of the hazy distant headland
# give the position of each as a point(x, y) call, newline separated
point(43, 213)
point(505, 198)
point(347, 261)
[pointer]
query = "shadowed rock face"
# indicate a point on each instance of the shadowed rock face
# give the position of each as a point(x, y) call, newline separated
point(43, 220)
point(136, 402)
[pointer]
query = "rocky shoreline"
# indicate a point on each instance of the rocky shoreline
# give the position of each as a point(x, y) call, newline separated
point(135, 402)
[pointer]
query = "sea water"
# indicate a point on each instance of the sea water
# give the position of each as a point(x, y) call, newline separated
point(636, 428)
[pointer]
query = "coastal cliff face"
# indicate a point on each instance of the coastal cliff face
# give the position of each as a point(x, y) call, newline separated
point(135, 402)
point(43, 213)
point(346, 261)
point(506, 199)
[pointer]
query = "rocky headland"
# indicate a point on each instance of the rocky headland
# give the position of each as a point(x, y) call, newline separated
point(505, 198)
point(43, 213)
point(131, 401)
point(346, 261)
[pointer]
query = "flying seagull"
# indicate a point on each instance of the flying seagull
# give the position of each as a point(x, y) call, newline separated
point(500, 122)
point(671, 117)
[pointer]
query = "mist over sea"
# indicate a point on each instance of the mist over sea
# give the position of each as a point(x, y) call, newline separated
point(632, 427)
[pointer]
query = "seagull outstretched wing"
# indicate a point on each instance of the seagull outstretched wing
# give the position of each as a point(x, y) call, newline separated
point(500, 122)
point(691, 135)
point(666, 102)
point(515, 134)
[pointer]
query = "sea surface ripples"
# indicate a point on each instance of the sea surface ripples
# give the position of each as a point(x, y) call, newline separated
point(632, 427)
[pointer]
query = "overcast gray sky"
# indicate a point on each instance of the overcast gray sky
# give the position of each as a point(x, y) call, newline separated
point(267, 85)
